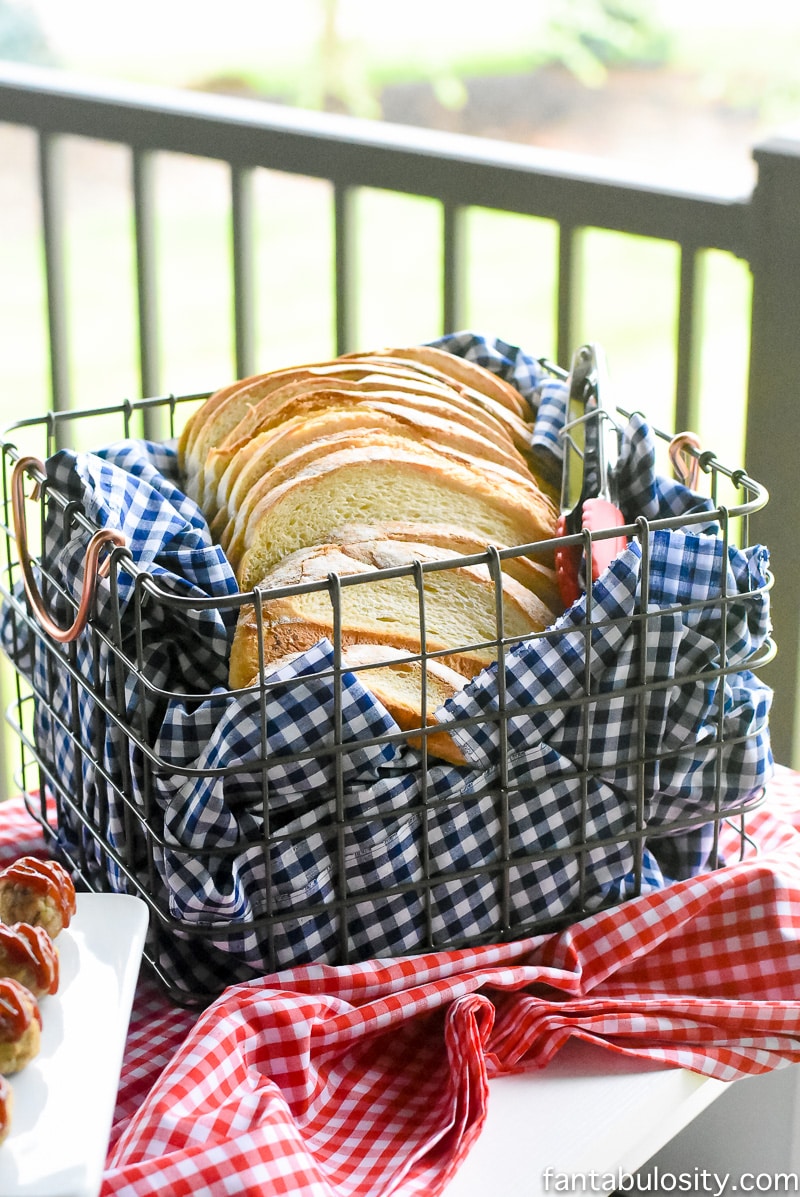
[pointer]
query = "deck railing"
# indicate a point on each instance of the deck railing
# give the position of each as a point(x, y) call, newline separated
point(460, 174)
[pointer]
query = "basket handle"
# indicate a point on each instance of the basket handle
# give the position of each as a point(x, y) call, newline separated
point(93, 567)
point(684, 463)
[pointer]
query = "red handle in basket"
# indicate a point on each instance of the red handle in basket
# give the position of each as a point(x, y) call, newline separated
point(596, 514)
point(93, 566)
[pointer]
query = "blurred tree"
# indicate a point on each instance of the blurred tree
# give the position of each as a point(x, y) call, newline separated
point(338, 79)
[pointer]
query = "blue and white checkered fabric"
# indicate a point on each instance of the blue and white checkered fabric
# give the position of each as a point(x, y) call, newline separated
point(358, 849)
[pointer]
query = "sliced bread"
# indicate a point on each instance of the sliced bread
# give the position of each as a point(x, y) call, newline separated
point(295, 444)
point(379, 483)
point(460, 603)
point(312, 393)
point(405, 687)
point(458, 542)
point(223, 485)
point(222, 411)
point(464, 371)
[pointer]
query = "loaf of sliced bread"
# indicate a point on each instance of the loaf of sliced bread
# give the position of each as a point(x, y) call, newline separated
point(373, 484)
point(458, 611)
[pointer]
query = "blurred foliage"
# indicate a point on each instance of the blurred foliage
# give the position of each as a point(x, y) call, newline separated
point(21, 36)
point(338, 78)
point(584, 36)
point(589, 36)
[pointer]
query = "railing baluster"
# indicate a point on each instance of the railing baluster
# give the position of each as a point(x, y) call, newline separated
point(51, 186)
point(346, 266)
point(244, 286)
point(147, 304)
point(454, 267)
point(689, 337)
point(568, 290)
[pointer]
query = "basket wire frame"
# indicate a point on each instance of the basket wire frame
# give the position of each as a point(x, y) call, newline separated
point(49, 800)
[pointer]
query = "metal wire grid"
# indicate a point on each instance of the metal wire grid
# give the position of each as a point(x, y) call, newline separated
point(37, 773)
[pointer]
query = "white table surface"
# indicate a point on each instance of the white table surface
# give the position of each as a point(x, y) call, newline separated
point(590, 1110)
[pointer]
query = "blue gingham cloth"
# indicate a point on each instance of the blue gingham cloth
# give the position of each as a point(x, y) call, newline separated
point(359, 850)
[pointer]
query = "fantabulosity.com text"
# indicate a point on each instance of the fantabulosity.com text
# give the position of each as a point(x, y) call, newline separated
point(694, 1180)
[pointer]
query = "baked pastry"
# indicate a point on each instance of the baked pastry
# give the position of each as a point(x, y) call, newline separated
point(379, 483)
point(20, 1026)
point(37, 892)
point(6, 1108)
point(28, 955)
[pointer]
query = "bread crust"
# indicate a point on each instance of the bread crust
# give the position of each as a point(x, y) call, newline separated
point(395, 679)
point(381, 429)
point(462, 370)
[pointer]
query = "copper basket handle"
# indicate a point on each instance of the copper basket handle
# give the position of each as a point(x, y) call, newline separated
point(93, 567)
point(685, 464)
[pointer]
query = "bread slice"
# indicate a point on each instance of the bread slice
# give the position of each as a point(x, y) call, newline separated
point(210, 424)
point(460, 607)
point(234, 537)
point(462, 370)
point(377, 483)
point(222, 411)
point(295, 444)
point(405, 687)
point(512, 412)
point(459, 543)
point(311, 394)
point(223, 486)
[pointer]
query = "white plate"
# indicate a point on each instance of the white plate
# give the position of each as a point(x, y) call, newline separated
point(64, 1099)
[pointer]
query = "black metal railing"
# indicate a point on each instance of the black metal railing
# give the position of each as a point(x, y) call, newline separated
point(460, 174)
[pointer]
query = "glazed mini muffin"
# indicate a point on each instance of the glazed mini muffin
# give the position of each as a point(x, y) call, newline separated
point(37, 892)
point(20, 1026)
point(28, 955)
point(6, 1108)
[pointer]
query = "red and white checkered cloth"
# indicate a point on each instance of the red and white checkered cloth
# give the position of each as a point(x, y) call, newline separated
point(373, 1079)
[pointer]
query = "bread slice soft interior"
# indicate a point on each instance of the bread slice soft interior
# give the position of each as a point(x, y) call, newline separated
point(391, 428)
point(426, 416)
point(378, 483)
point(311, 394)
point(460, 605)
point(459, 543)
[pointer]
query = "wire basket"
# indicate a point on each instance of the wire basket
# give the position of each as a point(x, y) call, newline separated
point(344, 837)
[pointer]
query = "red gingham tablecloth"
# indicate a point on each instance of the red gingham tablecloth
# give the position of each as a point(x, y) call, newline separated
point(373, 1079)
